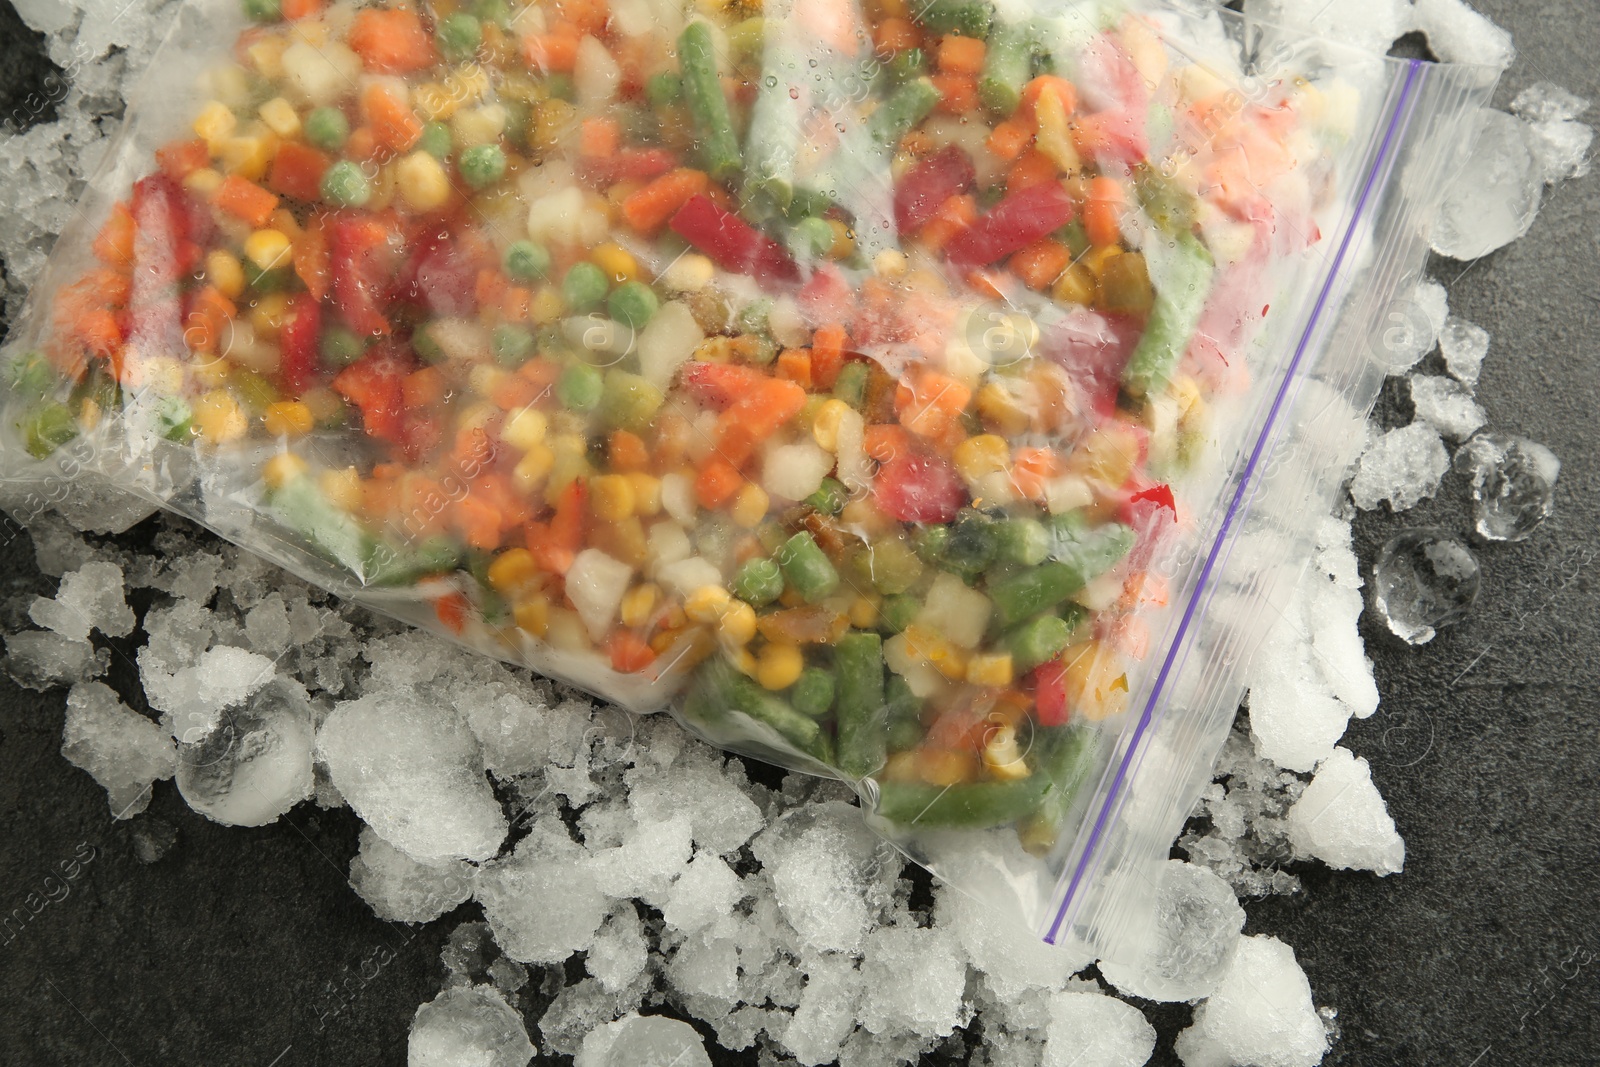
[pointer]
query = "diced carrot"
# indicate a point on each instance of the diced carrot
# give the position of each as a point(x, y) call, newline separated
point(960, 55)
point(513, 393)
point(884, 441)
point(629, 652)
point(1008, 139)
point(394, 124)
point(490, 287)
point(555, 52)
point(362, 143)
point(756, 416)
point(599, 136)
point(97, 330)
point(452, 610)
point(717, 482)
point(1102, 212)
point(297, 171)
point(953, 216)
point(245, 199)
point(207, 322)
point(651, 206)
point(587, 16)
point(478, 520)
point(794, 364)
point(179, 159)
point(828, 346)
point(958, 92)
point(294, 10)
point(311, 259)
point(627, 452)
point(114, 244)
point(1063, 89)
point(423, 388)
point(541, 372)
point(895, 35)
point(1040, 263)
point(930, 402)
point(1032, 469)
point(1032, 168)
point(391, 41)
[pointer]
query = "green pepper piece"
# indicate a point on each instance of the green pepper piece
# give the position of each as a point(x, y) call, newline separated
point(862, 716)
point(708, 107)
point(806, 568)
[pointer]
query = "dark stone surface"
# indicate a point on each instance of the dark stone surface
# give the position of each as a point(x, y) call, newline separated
point(246, 947)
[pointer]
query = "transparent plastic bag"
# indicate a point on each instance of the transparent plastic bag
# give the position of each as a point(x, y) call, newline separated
point(937, 400)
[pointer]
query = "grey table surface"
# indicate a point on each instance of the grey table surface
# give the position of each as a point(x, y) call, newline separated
point(246, 947)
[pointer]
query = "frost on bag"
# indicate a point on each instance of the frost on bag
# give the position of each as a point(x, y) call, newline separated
point(897, 396)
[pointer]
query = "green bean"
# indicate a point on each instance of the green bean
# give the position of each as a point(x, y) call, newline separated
point(1027, 594)
point(1037, 641)
point(1007, 66)
point(758, 582)
point(773, 143)
point(861, 715)
point(1182, 278)
point(708, 107)
point(1063, 760)
point(905, 107)
point(807, 569)
point(743, 695)
point(905, 711)
point(1024, 541)
point(970, 18)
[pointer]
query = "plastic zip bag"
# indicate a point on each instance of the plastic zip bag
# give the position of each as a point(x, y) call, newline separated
point(936, 400)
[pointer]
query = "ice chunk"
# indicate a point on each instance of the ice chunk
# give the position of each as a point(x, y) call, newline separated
point(256, 764)
point(193, 698)
point(90, 598)
point(521, 736)
point(1422, 580)
point(542, 903)
point(1560, 143)
point(643, 1041)
point(1260, 1014)
point(1446, 405)
point(1370, 24)
point(95, 505)
point(618, 954)
point(1295, 715)
point(1494, 196)
point(1403, 467)
point(469, 1026)
point(1545, 102)
point(1342, 821)
point(712, 795)
point(820, 860)
point(1092, 1028)
point(1412, 327)
point(1184, 953)
point(1247, 839)
point(827, 1010)
point(153, 838)
point(402, 890)
point(43, 659)
point(578, 1010)
point(649, 859)
point(57, 547)
point(1333, 611)
point(123, 751)
point(1513, 484)
point(1463, 346)
point(1458, 34)
point(705, 892)
point(912, 979)
point(412, 771)
point(267, 626)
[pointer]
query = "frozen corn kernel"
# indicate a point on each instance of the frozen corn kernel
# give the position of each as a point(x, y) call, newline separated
point(511, 570)
point(779, 666)
point(616, 262)
point(224, 271)
point(478, 126)
point(524, 429)
point(435, 102)
point(1075, 286)
point(639, 604)
point(533, 615)
point(707, 603)
point(750, 506)
point(982, 455)
point(267, 248)
point(825, 424)
point(421, 182)
point(282, 469)
point(689, 273)
point(737, 626)
point(215, 121)
point(219, 418)
point(280, 116)
point(533, 468)
point(341, 487)
point(863, 613)
point(203, 182)
point(288, 418)
point(891, 263)
point(646, 494)
point(611, 497)
point(248, 155)
point(990, 670)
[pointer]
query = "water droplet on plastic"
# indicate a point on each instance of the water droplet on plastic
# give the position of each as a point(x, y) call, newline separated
point(772, 82)
point(839, 126)
point(1513, 483)
point(1422, 580)
point(794, 93)
point(813, 62)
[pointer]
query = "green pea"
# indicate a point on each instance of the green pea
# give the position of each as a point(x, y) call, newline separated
point(579, 388)
point(340, 347)
point(527, 261)
point(435, 140)
point(263, 10)
point(664, 88)
point(482, 165)
point(584, 288)
point(759, 582)
point(424, 345)
point(345, 186)
point(327, 128)
point(813, 694)
point(495, 11)
point(512, 345)
point(459, 35)
point(812, 237)
point(633, 303)
point(898, 612)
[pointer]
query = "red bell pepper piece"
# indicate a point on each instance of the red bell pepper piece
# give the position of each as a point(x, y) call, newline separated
point(1017, 221)
point(919, 487)
point(1160, 496)
point(918, 194)
point(732, 243)
point(297, 171)
point(1050, 694)
point(718, 385)
point(375, 384)
point(631, 164)
point(358, 247)
point(439, 275)
point(160, 234)
point(299, 342)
